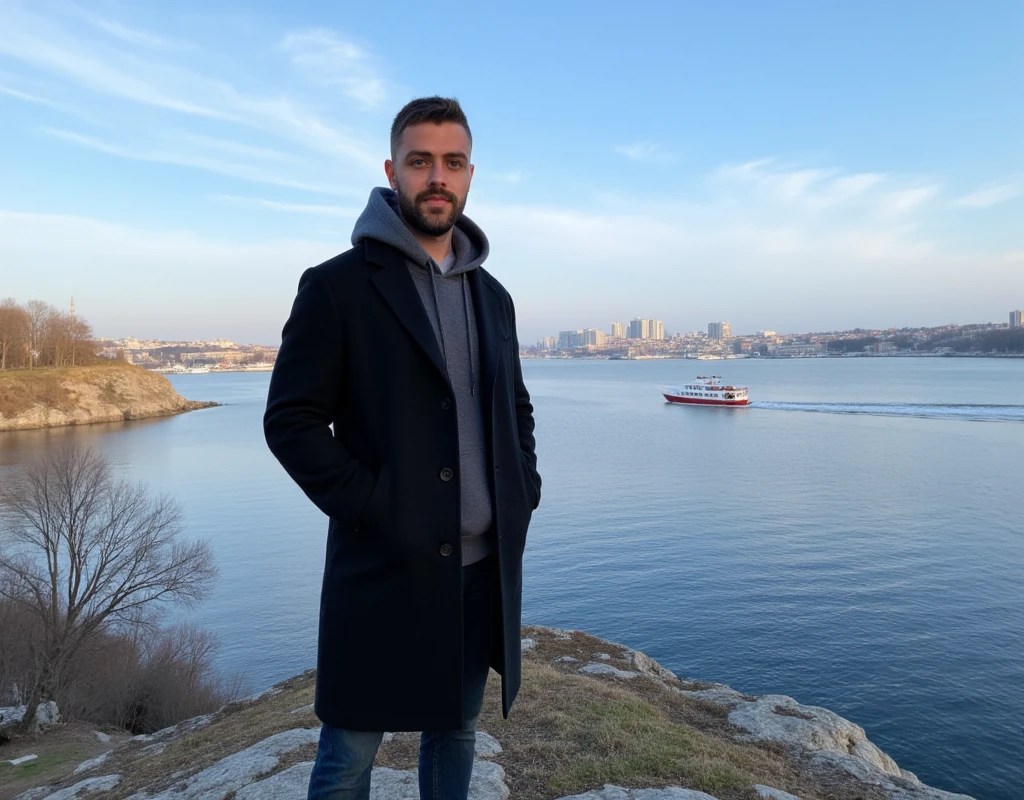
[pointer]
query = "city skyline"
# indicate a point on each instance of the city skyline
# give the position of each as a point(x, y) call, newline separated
point(177, 170)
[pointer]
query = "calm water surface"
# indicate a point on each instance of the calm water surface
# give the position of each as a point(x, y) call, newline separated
point(854, 539)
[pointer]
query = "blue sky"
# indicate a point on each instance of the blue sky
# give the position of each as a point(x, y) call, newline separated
point(792, 166)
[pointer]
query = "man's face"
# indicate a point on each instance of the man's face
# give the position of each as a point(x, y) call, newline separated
point(431, 174)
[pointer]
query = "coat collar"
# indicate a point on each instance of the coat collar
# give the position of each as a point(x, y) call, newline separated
point(395, 284)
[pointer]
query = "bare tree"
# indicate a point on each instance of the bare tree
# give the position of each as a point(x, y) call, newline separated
point(86, 553)
point(38, 313)
point(13, 333)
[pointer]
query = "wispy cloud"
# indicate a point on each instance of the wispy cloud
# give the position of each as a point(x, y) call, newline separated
point(646, 151)
point(292, 208)
point(988, 196)
point(328, 59)
point(148, 81)
point(907, 201)
point(196, 161)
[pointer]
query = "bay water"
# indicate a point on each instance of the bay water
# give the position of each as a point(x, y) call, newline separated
point(854, 538)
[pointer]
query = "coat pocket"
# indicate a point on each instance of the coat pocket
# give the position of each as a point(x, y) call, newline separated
point(371, 516)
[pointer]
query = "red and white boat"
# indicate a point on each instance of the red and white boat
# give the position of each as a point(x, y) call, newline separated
point(707, 390)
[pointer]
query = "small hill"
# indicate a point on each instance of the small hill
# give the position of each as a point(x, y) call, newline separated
point(105, 392)
point(594, 721)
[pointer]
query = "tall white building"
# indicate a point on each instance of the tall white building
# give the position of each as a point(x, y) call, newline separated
point(1017, 319)
point(593, 337)
point(657, 329)
point(639, 328)
point(618, 330)
point(719, 330)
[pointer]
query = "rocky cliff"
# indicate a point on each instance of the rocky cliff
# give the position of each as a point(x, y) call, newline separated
point(112, 392)
point(594, 721)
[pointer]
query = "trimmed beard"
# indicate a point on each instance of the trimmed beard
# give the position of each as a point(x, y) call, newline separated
point(430, 224)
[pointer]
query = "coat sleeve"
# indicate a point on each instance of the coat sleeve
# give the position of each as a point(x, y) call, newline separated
point(524, 410)
point(304, 390)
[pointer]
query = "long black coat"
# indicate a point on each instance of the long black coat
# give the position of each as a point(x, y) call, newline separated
point(358, 351)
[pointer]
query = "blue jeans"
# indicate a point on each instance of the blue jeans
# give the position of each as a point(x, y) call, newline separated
point(344, 758)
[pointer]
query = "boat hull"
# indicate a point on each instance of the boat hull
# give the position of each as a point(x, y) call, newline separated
point(704, 401)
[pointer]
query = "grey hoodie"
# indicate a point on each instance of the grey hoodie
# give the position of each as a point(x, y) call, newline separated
point(448, 301)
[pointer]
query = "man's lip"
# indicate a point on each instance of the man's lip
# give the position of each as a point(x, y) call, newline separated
point(437, 199)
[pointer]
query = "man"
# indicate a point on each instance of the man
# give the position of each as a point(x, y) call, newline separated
point(408, 347)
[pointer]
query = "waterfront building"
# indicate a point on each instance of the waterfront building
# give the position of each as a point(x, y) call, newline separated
point(639, 328)
point(618, 330)
point(719, 330)
point(1017, 319)
point(657, 329)
point(592, 337)
point(567, 340)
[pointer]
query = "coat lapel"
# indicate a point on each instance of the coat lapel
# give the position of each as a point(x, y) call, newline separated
point(492, 327)
point(395, 284)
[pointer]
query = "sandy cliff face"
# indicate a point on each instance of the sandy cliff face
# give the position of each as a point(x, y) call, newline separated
point(84, 395)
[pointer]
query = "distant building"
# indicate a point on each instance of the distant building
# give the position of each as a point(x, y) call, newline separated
point(657, 330)
point(618, 330)
point(719, 330)
point(1017, 319)
point(766, 334)
point(592, 337)
point(639, 328)
point(567, 340)
point(547, 343)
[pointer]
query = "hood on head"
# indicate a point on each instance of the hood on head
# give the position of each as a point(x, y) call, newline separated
point(380, 220)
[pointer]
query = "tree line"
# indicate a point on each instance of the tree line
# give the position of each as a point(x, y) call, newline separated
point(38, 334)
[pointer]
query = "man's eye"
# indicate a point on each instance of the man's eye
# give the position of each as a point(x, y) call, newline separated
point(455, 164)
point(418, 162)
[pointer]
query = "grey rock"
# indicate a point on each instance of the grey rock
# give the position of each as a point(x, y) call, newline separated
point(11, 714)
point(607, 669)
point(603, 656)
point(610, 792)
point(33, 794)
point(905, 786)
point(527, 644)
point(22, 760)
point(103, 737)
point(237, 770)
point(91, 763)
point(289, 783)
point(300, 709)
point(719, 695)
point(768, 793)
point(645, 665)
point(486, 745)
point(565, 660)
point(47, 713)
point(488, 782)
point(104, 783)
point(809, 728)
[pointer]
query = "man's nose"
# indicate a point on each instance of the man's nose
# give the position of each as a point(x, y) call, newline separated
point(436, 175)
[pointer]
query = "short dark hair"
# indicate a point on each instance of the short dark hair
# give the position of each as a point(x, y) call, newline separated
point(427, 109)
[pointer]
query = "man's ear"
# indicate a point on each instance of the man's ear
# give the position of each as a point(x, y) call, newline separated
point(389, 170)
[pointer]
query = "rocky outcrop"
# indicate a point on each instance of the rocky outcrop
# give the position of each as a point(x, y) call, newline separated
point(264, 747)
point(112, 392)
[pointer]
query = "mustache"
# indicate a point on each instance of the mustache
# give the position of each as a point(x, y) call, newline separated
point(438, 192)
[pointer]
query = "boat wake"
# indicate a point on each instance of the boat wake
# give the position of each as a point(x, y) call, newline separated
point(983, 413)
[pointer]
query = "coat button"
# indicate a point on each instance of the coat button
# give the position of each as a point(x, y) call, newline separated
point(446, 549)
point(447, 474)
point(446, 404)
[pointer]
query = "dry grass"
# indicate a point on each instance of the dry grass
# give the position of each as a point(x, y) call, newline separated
point(21, 389)
point(568, 733)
